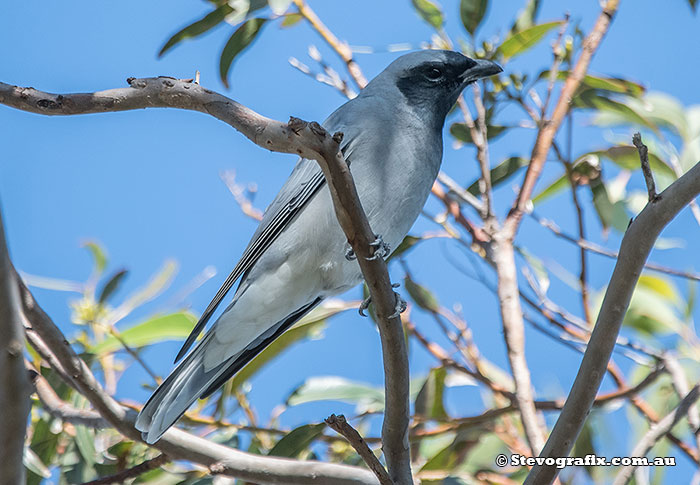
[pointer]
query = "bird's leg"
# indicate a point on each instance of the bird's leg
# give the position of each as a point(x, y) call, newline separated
point(381, 249)
point(399, 308)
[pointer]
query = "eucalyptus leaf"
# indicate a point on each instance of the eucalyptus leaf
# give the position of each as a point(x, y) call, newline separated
point(462, 133)
point(111, 286)
point(500, 173)
point(209, 21)
point(174, 326)
point(296, 441)
point(519, 42)
point(526, 17)
point(421, 295)
point(334, 388)
point(240, 39)
point(430, 12)
point(99, 256)
point(430, 400)
point(472, 13)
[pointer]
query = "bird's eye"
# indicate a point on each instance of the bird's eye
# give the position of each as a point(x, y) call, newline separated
point(434, 74)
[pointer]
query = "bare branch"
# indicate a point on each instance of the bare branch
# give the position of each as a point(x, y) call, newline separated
point(514, 335)
point(656, 432)
point(634, 249)
point(341, 426)
point(341, 48)
point(646, 169)
point(132, 472)
point(14, 383)
point(60, 409)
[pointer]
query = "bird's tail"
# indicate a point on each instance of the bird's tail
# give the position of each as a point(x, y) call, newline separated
point(190, 380)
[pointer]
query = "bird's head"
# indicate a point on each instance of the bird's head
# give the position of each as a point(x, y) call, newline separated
point(431, 80)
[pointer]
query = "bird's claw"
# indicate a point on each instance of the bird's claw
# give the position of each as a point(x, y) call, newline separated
point(381, 249)
point(400, 307)
point(350, 254)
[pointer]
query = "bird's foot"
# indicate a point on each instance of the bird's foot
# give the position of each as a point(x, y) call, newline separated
point(350, 254)
point(400, 307)
point(381, 249)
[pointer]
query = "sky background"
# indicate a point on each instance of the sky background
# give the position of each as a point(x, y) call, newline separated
point(147, 185)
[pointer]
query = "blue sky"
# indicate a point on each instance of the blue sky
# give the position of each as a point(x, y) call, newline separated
point(146, 184)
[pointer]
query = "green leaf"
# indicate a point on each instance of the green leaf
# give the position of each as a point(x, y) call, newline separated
point(472, 13)
point(661, 286)
point(612, 84)
point(99, 256)
point(520, 42)
point(526, 17)
point(600, 101)
point(429, 11)
point(500, 173)
point(406, 245)
point(333, 388)
point(555, 187)
point(297, 440)
point(651, 311)
point(85, 439)
point(308, 327)
point(693, 5)
point(291, 19)
point(212, 19)
point(430, 399)
point(240, 39)
point(422, 296)
point(111, 286)
point(611, 214)
point(462, 133)
point(174, 326)
point(34, 464)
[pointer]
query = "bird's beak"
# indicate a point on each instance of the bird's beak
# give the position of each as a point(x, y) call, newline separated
point(482, 69)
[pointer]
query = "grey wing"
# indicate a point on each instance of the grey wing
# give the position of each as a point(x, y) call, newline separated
point(305, 180)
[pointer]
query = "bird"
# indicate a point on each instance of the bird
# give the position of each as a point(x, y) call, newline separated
point(299, 255)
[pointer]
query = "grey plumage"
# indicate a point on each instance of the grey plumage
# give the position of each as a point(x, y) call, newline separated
point(393, 143)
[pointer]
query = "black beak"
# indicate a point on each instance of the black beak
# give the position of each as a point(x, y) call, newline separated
point(481, 70)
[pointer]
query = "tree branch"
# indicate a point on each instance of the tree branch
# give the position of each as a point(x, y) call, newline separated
point(634, 250)
point(646, 169)
point(341, 426)
point(14, 383)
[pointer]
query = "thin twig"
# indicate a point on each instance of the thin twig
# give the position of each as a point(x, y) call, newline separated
point(646, 169)
point(341, 426)
point(546, 134)
point(341, 48)
point(132, 472)
point(656, 432)
point(597, 249)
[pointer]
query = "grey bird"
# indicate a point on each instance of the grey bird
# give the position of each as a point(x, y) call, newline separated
point(298, 255)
